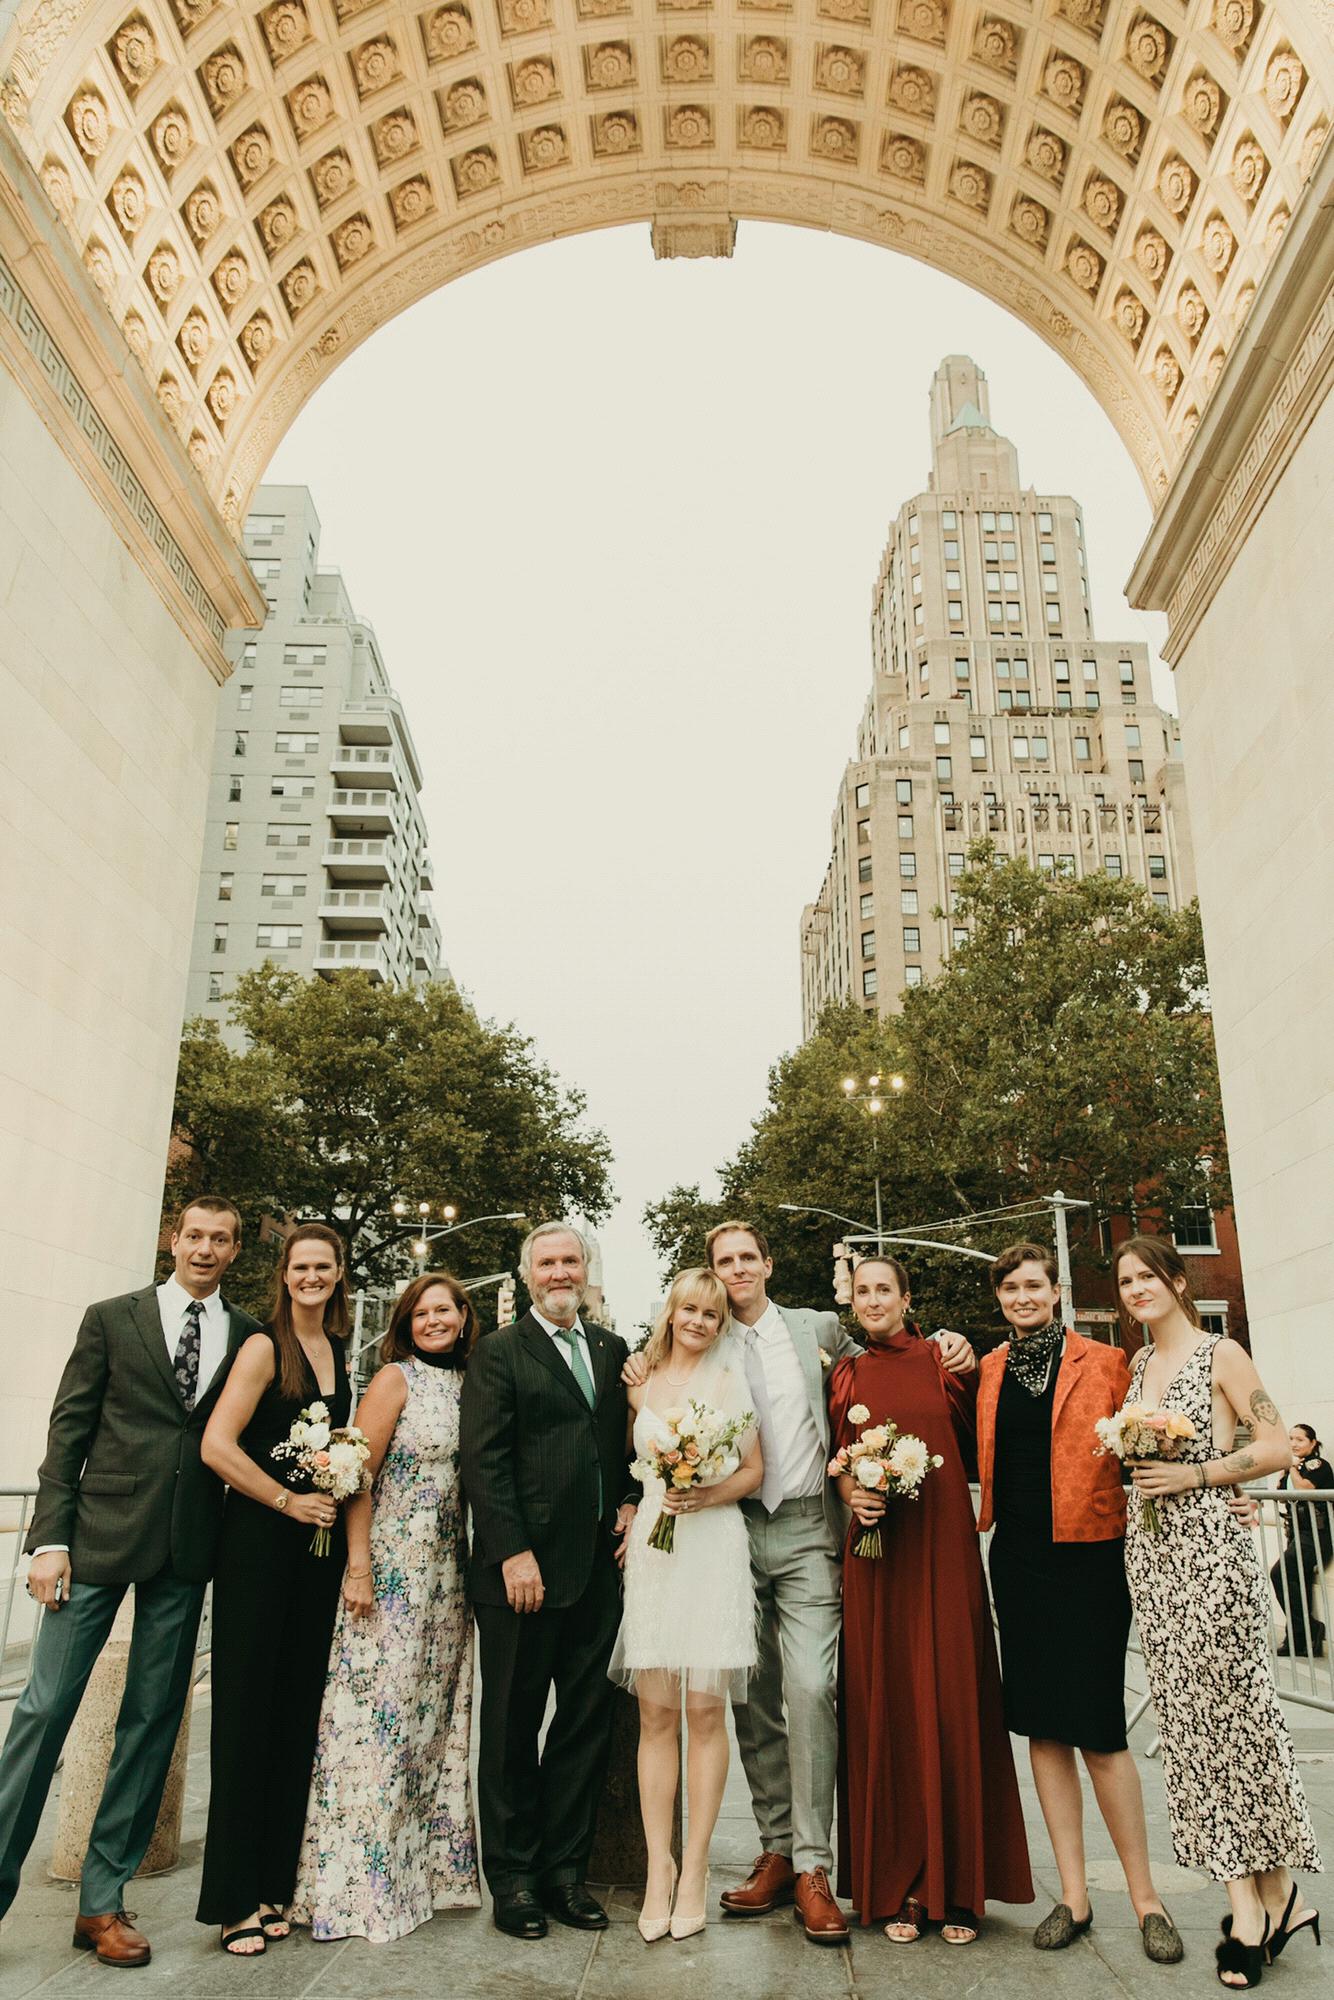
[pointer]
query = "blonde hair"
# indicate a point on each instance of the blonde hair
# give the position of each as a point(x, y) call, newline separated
point(696, 1287)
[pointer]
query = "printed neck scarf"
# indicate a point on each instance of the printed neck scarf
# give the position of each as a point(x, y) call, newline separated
point(1030, 1358)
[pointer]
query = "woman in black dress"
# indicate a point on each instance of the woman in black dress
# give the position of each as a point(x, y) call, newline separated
point(274, 1598)
point(1058, 1582)
point(1310, 1538)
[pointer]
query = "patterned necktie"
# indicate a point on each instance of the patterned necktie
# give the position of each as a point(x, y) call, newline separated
point(578, 1366)
point(185, 1363)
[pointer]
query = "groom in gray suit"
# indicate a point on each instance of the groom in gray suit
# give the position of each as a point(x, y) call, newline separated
point(796, 1524)
point(124, 1499)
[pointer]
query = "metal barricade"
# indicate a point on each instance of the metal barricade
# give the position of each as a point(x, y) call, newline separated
point(16, 1505)
point(1294, 1542)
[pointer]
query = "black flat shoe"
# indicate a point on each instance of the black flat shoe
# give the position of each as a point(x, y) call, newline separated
point(1247, 1960)
point(519, 1914)
point(570, 1903)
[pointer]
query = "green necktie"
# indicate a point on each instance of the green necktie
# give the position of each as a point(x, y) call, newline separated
point(578, 1366)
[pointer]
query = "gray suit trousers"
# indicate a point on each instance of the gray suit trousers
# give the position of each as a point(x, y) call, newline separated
point(787, 1729)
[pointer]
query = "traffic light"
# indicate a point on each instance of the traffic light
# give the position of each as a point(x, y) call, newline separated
point(842, 1275)
point(505, 1302)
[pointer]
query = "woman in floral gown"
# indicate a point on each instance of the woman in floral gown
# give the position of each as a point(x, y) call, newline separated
point(389, 1828)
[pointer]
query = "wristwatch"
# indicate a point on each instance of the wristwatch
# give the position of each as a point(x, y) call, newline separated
point(280, 1499)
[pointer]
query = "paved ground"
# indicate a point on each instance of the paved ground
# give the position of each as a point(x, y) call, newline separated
point(765, 1959)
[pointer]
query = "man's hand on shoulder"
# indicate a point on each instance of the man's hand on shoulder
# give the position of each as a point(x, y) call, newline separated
point(49, 1578)
point(956, 1354)
point(635, 1372)
point(523, 1581)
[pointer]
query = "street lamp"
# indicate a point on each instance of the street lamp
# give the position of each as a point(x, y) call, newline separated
point(449, 1227)
point(871, 1095)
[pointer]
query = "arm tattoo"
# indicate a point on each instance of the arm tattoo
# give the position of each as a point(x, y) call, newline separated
point(1263, 1408)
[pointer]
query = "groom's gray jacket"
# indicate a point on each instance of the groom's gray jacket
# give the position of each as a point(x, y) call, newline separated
point(820, 1339)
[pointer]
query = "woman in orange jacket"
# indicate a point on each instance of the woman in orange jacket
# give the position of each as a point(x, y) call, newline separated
point(1058, 1583)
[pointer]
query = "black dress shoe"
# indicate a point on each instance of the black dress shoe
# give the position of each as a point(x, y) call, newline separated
point(519, 1914)
point(570, 1903)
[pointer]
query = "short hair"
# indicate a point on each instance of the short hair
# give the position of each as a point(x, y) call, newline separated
point(397, 1344)
point(697, 1287)
point(1024, 1253)
point(213, 1204)
point(730, 1228)
point(900, 1270)
point(549, 1229)
point(1164, 1260)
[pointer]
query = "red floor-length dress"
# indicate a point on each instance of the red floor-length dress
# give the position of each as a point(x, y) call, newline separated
point(928, 1801)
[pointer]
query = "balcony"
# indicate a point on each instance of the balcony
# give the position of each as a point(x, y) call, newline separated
point(352, 955)
point(364, 765)
point(427, 872)
point(362, 811)
point(368, 721)
point(354, 912)
point(357, 860)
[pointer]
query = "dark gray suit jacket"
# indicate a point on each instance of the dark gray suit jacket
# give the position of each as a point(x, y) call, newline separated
point(531, 1451)
point(122, 1484)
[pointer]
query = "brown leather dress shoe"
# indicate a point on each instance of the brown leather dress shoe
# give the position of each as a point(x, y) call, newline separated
point(113, 1938)
point(771, 1882)
point(817, 1912)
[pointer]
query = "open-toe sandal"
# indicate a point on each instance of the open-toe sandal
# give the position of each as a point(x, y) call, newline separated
point(235, 1937)
point(911, 1917)
point(275, 1925)
point(1246, 1961)
point(963, 1921)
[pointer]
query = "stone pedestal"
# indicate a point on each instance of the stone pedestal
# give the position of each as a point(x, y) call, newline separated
point(619, 1853)
point(87, 1755)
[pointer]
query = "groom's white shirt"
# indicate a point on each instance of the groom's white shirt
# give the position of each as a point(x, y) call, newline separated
point(793, 1436)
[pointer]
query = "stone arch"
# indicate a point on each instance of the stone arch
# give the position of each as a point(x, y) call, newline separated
point(254, 190)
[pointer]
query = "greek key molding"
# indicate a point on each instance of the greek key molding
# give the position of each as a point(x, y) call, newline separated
point(83, 417)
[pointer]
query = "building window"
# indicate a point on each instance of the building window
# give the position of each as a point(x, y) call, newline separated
point(995, 615)
point(1020, 747)
point(1044, 524)
point(917, 579)
point(1053, 614)
point(1090, 670)
point(953, 581)
point(1132, 736)
point(1091, 699)
point(940, 732)
point(240, 743)
point(917, 614)
point(954, 610)
point(215, 986)
point(1021, 698)
point(1004, 698)
point(977, 749)
point(230, 834)
point(1213, 1316)
point(912, 975)
point(1112, 865)
point(944, 768)
point(951, 552)
point(949, 519)
point(1136, 766)
point(863, 833)
point(957, 863)
point(864, 868)
point(1039, 746)
point(908, 902)
point(278, 937)
point(912, 524)
point(905, 826)
point(868, 944)
point(908, 867)
point(912, 938)
point(225, 888)
point(305, 656)
point(1081, 749)
point(868, 906)
point(1065, 865)
point(1047, 551)
point(234, 792)
point(962, 670)
point(282, 885)
point(869, 982)
point(1162, 899)
point(1021, 670)
point(1158, 867)
point(219, 937)
point(301, 697)
point(1063, 698)
point(1011, 579)
point(1193, 1227)
point(863, 795)
point(1127, 673)
point(988, 524)
point(279, 834)
point(292, 788)
point(1061, 669)
point(903, 791)
point(245, 696)
point(295, 744)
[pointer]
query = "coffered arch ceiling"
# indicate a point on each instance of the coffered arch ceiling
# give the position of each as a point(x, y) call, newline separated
point(256, 187)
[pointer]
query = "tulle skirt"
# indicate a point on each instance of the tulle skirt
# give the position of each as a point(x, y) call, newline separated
point(689, 1615)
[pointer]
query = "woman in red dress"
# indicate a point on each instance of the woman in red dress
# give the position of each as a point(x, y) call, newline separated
point(930, 1823)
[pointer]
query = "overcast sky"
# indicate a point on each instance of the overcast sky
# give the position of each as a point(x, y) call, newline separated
point(616, 524)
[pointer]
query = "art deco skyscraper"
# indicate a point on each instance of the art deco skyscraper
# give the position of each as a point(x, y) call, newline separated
point(993, 712)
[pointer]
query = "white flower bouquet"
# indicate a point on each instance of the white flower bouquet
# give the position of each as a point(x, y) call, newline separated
point(328, 1458)
point(1137, 1433)
point(883, 1459)
point(702, 1452)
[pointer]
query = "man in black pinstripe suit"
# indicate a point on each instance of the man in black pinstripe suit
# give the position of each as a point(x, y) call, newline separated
point(544, 1443)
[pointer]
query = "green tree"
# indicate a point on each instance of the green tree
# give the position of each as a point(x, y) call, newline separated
point(348, 1094)
point(1067, 1044)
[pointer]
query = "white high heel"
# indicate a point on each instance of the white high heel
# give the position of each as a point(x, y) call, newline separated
point(684, 1927)
point(653, 1928)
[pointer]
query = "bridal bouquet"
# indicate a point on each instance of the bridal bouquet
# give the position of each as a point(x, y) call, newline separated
point(1135, 1434)
point(701, 1453)
point(885, 1460)
point(331, 1459)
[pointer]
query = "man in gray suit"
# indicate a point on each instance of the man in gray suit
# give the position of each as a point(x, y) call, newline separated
point(787, 1728)
point(124, 1498)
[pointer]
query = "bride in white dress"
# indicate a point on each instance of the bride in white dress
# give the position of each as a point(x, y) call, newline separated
point(688, 1627)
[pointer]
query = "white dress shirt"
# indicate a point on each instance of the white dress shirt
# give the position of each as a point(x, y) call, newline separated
point(172, 1301)
point(793, 1439)
point(560, 1337)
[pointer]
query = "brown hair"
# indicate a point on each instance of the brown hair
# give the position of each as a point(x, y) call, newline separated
point(697, 1287)
point(1164, 1260)
point(337, 1316)
point(1016, 1254)
point(726, 1229)
point(212, 1204)
point(891, 1263)
point(397, 1343)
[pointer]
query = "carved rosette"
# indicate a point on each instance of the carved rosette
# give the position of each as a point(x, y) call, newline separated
point(1151, 255)
point(135, 53)
point(195, 339)
point(1166, 373)
point(835, 139)
point(1102, 201)
point(609, 66)
point(98, 263)
point(1245, 299)
point(689, 126)
point(252, 156)
point(1176, 184)
point(845, 10)
point(1030, 222)
point(521, 17)
point(616, 133)
point(763, 128)
point(1123, 128)
point(1275, 227)
point(1190, 423)
point(278, 226)
point(60, 189)
point(300, 286)
point(310, 106)
point(1214, 368)
point(1311, 146)
point(1192, 314)
point(449, 32)
point(199, 451)
point(1147, 48)
point(765, 59)
point(171, 137)
point(190, 13)
point(545, 147)
point(475, 172)
point(129, 203)
point(223, 76)
point(375, 65)
point(1087, 14)
point(88, 123)
point(913, 90)
point(169, 395)
point(1249, 168)
point(463, 104)
point(533, 81)
point(286, 29)
point(996, 43)
point(1130, 317)
point(1084, 265)
point(903, 157)
point(1202, 103)
point(924, 20)
point(971, 185)
point(840, 71)
point(221, 397)
point(257, 339)
point(1217, 245)
point(331, 177)
point(231, 279)
point(163, 272)
point(1233, 22)
point(394, 136)
point(353, 240)
point(1046, 155)
point(983, 119)
point(1063, 82)
point(1284, 78)
point(687, 59)
point(412, 201)
point(136, 336)
point(203, 212)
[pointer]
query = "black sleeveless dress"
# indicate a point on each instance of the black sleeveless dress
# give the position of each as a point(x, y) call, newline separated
point(274, 1604)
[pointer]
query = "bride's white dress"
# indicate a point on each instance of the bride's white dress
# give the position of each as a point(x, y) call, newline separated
point(690, 1612)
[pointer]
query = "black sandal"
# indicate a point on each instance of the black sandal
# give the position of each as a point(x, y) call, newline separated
point(275, 1916)
point(1309, 1921)
point(235, 1937)
point(1247, 1959)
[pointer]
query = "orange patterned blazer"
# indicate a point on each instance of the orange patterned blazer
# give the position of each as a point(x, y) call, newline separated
point(1088, 1502)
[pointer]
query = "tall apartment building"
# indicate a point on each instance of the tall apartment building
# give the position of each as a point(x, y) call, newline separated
point(993, 711)
point(315, 853)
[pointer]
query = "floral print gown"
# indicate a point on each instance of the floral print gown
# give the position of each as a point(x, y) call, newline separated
point(389, 1833)
point(1234, 1797)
